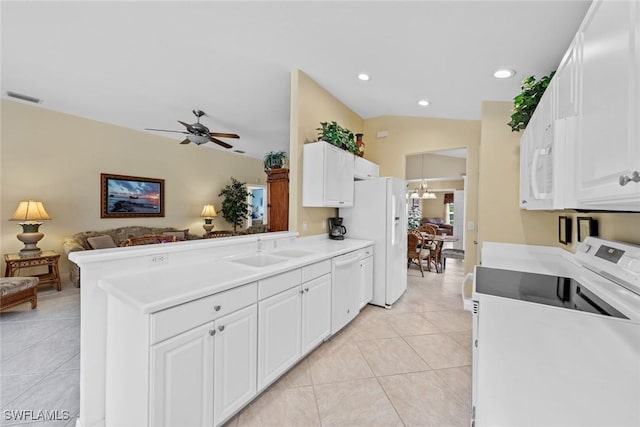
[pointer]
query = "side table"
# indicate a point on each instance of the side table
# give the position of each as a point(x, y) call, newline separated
point(16, 262)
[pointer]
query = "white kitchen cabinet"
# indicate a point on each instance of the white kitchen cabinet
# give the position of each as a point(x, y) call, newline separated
point(345, 277)
point(608, 149)
point(316, 312)
point(279, 334)
point(235, 362)
point(182, 379)
point(327, 176)
point(365, 285)
point(365, 169)
point(567, 83)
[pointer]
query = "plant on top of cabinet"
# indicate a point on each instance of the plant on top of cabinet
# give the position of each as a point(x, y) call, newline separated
point(335, 134)
point(524, 104)
point(235, 208)
point(274, 160)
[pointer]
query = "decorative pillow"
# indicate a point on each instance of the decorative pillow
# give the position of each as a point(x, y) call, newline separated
point(180, 235)
point(101, 242)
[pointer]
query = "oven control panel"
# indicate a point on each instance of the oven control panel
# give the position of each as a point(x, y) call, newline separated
point(618, 261)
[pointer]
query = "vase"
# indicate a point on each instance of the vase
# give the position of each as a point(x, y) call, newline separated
point(360, 144)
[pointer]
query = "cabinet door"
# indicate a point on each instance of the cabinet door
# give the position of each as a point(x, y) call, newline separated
point(566, 80)
point(366, 281)
point(346, 173)
point(278, 205)
point(182, 379)
point(338, 177)
point(279, 334)
point(608, 147)
point(316, 312)
point(235, 361)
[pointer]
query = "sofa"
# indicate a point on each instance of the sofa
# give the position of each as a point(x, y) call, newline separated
point(113, 238)
point(440, 225)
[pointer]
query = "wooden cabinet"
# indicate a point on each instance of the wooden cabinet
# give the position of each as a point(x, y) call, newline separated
point(608, 146)
point(234, 371)
point(327, 176)
point(182, 379)
point(278, 199)
point(365, 169)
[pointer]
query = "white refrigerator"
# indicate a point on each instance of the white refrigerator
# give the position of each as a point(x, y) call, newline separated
point(379, 213)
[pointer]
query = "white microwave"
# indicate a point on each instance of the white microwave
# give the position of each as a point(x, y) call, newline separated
point(545, 168)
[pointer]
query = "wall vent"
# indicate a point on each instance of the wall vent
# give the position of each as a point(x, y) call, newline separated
point(24, 97)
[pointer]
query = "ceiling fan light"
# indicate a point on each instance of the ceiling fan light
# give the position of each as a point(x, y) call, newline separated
point(198, 139)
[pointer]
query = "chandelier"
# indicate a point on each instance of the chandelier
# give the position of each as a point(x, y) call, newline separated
point(422, 192)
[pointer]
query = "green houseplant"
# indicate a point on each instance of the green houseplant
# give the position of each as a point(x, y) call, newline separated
point(335, 134)
point(235, 208)
point(524, 104)
point(274, 160)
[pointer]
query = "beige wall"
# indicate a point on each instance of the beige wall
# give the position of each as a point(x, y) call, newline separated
point(310, 105)
point(435, 166)
point(499, 217)
point(57, 158)
point(413, 135)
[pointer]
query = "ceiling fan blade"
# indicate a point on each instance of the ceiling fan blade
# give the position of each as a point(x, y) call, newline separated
point(165, 130)
point(186, 141)
point(190, 128)
point(222, 143)
point(224, 135)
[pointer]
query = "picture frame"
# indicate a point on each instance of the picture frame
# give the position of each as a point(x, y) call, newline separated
point(415, 203)
point(587, 226)
point(123, 196)
point(564, 229)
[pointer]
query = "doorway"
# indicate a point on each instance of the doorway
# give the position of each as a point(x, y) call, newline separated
point(257, 201)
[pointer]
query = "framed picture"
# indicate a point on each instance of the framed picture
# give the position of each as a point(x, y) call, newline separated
point(564, 230)
point(587, 226)
point(124, 196)
point(415, 203)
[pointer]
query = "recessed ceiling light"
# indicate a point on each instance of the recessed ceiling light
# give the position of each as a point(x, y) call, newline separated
point(363, 76)
point(423, 102)
point(504, 73)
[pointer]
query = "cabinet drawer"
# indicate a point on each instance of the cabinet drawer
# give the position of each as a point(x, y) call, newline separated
point(316, 270)
point(174, 320)
point(276, 284)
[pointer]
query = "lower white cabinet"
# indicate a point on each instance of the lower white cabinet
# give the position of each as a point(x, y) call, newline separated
point(291, 324)
point(234, 372)
point(182, 379)
point(214, 363)
point(365, 285)
point(279, 334)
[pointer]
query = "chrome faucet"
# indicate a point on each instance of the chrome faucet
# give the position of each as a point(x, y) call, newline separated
point(259, 244)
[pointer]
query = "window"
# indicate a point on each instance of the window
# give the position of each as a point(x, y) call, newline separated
point(448, 213)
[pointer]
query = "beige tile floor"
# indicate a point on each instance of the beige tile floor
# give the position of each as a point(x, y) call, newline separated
point(410, 365)
point(406, 366)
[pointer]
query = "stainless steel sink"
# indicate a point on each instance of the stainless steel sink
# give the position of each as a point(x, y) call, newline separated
point(293, 253)
point(260, 260)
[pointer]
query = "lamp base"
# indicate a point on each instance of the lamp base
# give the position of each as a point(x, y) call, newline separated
point(30, 240)
point(207, 227)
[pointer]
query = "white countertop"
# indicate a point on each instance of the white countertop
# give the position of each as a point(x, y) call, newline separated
point(154, 289)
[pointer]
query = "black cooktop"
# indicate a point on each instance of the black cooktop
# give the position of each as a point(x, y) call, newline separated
point(541, 289)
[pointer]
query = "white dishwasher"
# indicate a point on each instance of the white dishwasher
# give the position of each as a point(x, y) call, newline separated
point(345, 278)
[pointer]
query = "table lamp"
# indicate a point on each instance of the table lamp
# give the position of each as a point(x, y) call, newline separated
point(30, 213)
point(208, 212)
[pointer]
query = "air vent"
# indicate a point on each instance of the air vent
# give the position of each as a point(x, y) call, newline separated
point(24, 97)
point(239, 151)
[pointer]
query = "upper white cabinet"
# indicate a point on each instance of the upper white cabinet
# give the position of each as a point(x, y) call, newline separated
point(608, 148)
point(327, 178)
point(365, 169)
point(581, 149)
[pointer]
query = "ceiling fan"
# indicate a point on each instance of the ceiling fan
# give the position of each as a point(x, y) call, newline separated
point(199, 134)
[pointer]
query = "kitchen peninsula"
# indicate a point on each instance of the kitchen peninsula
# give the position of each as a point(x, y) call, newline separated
point(191, 332)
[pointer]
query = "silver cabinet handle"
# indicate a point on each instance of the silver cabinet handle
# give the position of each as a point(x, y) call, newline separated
point(306, 289)
point(221, 328)
point(524, 202)
point(217, 308)
point(301, 291)
point(212, 332)
point(625, 179)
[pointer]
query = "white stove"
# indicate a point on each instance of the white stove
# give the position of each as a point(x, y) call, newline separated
point(557, 336)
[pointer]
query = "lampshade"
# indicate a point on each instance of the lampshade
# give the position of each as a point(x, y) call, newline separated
point(414, 195)
point(428, 195)
point(208, 211)
point(30, 211)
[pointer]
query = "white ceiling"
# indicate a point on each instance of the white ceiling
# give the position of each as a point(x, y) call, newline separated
point(148, 64)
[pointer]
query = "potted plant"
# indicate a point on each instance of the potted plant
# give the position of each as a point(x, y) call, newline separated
point(274, 160)
point(235, 208)
point(525, 103)
point(335, 134)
